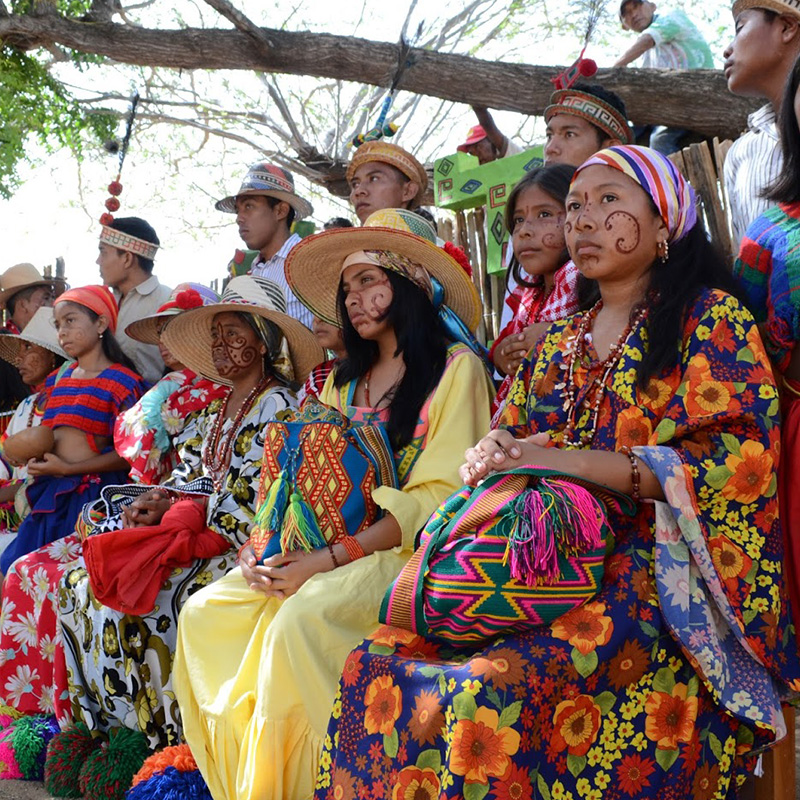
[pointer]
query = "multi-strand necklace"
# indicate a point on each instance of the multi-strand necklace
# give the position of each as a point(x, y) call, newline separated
point(219, 446)
point(596, 387)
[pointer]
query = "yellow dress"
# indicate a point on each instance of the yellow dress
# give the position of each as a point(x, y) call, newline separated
point(255, 676)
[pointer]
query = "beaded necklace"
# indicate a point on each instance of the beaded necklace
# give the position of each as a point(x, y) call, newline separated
point(596, 388)
point(218, 449)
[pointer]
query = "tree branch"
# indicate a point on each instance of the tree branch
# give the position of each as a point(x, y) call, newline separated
point(243, 23)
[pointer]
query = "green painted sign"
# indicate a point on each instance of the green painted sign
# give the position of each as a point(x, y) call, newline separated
point(461, 183)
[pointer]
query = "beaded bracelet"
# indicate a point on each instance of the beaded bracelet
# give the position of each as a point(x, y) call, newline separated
point(353, 547)
point(636, 478)
point(336, 563)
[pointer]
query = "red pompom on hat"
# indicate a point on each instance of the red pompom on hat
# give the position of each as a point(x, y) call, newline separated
point(456, 252)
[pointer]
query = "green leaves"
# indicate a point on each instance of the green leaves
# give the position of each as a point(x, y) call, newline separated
point(464, 706)
point(584, 664)
point(391, 743)
point(666, 758)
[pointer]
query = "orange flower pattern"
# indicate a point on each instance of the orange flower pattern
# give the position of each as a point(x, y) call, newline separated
point(619, 698)
point(383, 702)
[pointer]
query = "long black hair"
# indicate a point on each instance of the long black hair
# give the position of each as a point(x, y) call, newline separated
point(422, 342)
point(111, 348)
point(786, 188)
point(554, 181)
point(694, 265)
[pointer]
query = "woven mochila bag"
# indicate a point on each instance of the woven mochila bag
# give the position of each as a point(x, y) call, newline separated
point(318, 473)
point(516, 552)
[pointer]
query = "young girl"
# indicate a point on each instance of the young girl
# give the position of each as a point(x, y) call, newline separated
point(82, 407)
point(331, 339)
point(255, 720)
point(545, 277)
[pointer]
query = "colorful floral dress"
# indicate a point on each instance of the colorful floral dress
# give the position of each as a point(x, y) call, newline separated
point(657, 686)
point(119, 666)
point(255, 720)
point(149, 435)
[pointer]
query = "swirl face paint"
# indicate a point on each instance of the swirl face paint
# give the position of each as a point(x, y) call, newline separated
point(368, 296)
point(234, 345)
point(625, 227)
point(537, 234)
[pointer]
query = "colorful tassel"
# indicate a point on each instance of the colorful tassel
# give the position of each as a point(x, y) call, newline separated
point(29, 739)
point(108, 772)
point(66, 755)
point(169, 774)
point(300, 527)
point(270, 514)
point(553, 519)
point(9, 769)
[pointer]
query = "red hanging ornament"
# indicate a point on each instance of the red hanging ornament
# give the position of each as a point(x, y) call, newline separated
point(112, 204)
point(106, 219)
point(115, 188)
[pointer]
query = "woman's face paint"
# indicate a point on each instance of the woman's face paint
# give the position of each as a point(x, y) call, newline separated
point(368, 296)
point(538, 231)
point(235, 346)
point(612, 229)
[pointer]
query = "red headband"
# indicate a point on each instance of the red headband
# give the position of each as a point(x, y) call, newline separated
point(96, 298)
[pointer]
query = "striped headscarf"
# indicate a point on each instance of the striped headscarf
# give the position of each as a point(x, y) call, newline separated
point(96, 298)
point(660, 178)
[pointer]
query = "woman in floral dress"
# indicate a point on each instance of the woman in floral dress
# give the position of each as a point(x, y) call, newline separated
point(675, 671)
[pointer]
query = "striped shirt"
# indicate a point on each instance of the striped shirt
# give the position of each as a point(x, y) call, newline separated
point(272, 268)
point(753, 163)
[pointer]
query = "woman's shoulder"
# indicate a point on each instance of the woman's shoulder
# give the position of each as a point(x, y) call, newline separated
point(718, 304)
point(121, 375)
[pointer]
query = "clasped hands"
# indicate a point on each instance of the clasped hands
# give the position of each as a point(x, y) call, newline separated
point(282, 575)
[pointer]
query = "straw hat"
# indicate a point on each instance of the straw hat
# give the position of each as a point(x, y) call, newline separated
point(184, 297)
point(394, 156)
point(39, 330)
point(790, 7)
point(188, 336)
point(313, 265)
point(268, 180)
point(23, 276)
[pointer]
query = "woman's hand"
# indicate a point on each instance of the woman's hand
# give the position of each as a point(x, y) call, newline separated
point(49, 464)
point(281, 575)
point(499, 450)
point(147, 509)
point(510, 353)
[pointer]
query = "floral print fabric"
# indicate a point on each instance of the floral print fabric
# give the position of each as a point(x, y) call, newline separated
point(639, 692)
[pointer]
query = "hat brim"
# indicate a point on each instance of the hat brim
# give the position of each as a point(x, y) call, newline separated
point(313, 267)
point(59, 286)
point(10, 342)
point(772, 5)
point(188, 338)
point(145, 330)
point(302, 208)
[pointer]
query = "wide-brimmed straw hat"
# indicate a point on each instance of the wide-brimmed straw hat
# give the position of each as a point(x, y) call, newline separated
point(268, 180)
point(24, 276)
point(314, 265)
point(395, 156)
point(790, 7)
point(39, 330)
point(188, 336)
point(184, 297)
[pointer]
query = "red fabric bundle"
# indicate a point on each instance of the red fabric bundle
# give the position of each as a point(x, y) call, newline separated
point(127, 568)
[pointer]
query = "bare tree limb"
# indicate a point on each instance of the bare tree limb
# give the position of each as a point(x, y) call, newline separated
point(243, 23)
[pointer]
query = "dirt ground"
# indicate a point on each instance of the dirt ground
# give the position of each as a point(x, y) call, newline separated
point(24, 790)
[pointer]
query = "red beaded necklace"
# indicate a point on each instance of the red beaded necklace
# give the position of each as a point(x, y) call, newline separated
point(218, 449)
point(596, 389)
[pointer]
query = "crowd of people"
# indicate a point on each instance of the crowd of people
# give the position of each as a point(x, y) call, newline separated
point(249, 541)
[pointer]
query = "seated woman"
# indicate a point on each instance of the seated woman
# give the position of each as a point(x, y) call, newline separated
point(119, 665)
point(768, 271)
point(659, 684)
point(36, 353)
point(82, 406)
point(544, 276)
point(149, 435)
point(255, 720)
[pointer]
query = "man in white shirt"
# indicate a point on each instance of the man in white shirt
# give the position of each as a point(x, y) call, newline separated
point(127, 249)
point(757, 63)
point(266, 205)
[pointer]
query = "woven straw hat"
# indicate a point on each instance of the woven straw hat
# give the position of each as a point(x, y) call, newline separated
point(394, 156)
point(313, 266)
point(184, 297)
point(23, 276)
point(268, 180)
point(188, 336)
point(790, 7)
point(39, 330)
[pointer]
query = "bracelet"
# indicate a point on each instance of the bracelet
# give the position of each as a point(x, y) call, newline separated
point(353, 547)
point(336, 564)
point(636, 478)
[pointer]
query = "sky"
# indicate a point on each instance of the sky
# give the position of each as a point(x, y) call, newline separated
point(172, 177)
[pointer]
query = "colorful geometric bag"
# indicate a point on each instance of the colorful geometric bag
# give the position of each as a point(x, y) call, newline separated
point(518, 551)
point(319, 469)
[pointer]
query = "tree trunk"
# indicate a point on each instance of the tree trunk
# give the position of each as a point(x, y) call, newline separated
point(697, 100)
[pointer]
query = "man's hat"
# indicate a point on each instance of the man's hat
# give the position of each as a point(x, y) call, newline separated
point(24, 276)
point(40, 330)
point(594, 110)
point(790, 7)
point(475, 134)
point(268, 180)
point(394, 156)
